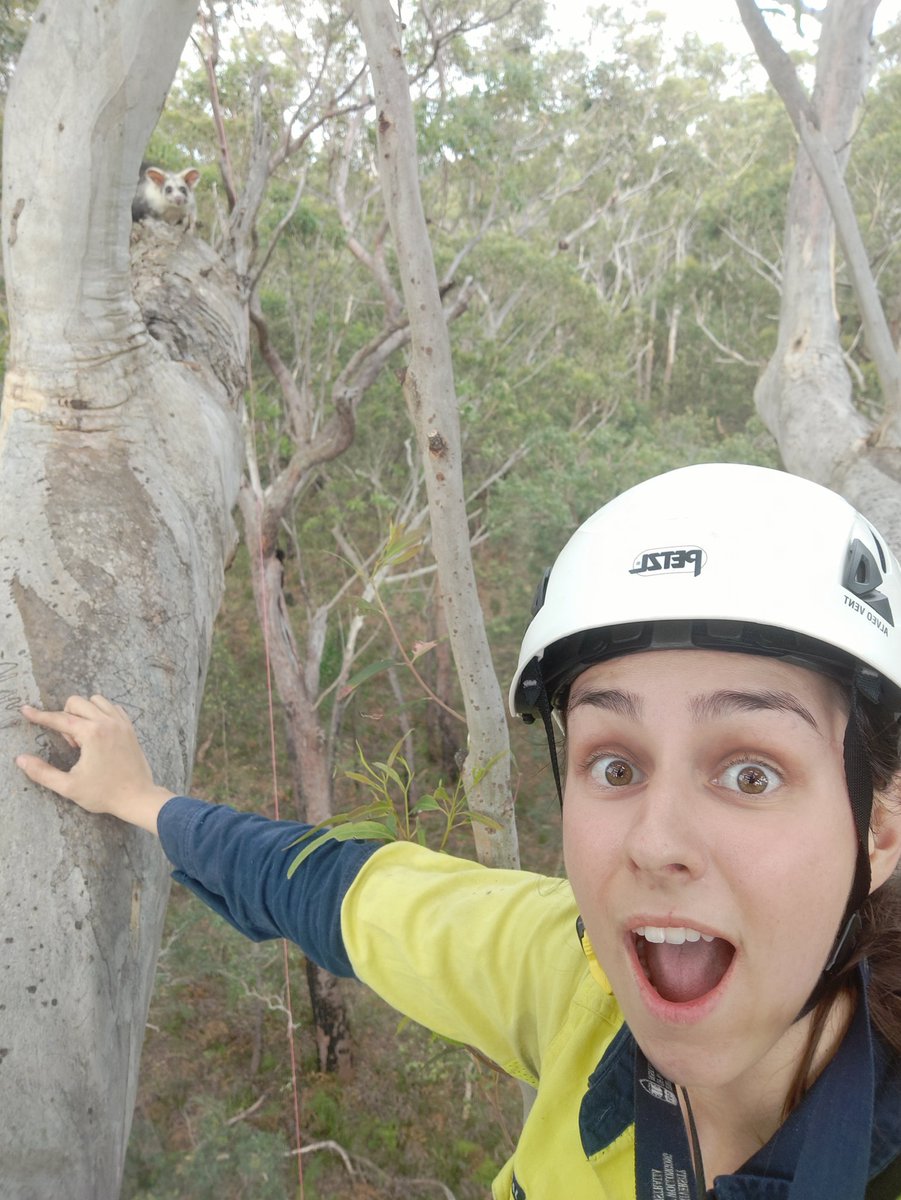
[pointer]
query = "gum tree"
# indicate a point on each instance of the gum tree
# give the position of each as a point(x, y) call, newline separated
point(806, 394)
point(432, 404)
point(120, 457)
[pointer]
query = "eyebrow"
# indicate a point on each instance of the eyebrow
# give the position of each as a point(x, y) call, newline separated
point(626, 704)
point(707, 707)
point(721, 704)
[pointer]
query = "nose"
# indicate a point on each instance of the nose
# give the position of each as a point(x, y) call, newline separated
point(665, 836)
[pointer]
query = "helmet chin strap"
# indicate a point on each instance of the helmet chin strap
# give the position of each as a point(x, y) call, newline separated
point(859, 779)
point(535, 697)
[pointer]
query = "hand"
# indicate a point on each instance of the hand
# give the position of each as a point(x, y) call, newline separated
point(111, 774)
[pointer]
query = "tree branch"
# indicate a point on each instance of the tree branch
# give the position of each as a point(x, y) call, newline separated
point(210, 26)
point(805, 119)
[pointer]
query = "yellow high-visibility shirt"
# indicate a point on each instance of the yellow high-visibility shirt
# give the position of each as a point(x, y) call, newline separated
point(493, 959)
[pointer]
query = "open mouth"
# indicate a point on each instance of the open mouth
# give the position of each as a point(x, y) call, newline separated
point(682, 964)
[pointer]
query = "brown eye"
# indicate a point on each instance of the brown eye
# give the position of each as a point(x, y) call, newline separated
point(752, 780)
point(612, 771)
point(609, 770)
point(618, 772)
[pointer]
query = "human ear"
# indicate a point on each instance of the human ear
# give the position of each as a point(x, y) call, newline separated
point(885, 834)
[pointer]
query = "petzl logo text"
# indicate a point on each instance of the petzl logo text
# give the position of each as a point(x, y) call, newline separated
point(671, 559)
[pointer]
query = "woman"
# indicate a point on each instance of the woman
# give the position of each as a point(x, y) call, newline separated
point(712, 1003)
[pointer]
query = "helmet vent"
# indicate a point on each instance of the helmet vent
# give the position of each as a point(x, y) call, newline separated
point(863, 577)
point(882, 557)
point(540, 593)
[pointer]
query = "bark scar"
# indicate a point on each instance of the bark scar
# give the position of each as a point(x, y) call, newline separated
point(14, 221)
point(437, 444)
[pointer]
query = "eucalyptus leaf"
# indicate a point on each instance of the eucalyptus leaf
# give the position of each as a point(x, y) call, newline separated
point(363, 830)
point(369, 671)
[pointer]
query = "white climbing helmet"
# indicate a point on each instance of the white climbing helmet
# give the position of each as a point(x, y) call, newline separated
point(722, 556)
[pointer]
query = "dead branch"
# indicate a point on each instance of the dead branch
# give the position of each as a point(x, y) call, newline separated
point(356, 1165)
point(247, 1112)
point(731, 354)
point(279, 230)
point(440, 38)
point(374, 262)
point(210, 26)
point(767, 270)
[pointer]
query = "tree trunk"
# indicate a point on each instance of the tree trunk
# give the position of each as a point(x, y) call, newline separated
point(334, 1039)
point(432, 402)
point(805, 394)
point(120, 458)
point(308, 753)
point(446, 741)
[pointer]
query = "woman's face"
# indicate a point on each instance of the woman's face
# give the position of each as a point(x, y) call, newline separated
point(709, 841)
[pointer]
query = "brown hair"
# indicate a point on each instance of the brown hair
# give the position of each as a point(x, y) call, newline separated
point(879, 942)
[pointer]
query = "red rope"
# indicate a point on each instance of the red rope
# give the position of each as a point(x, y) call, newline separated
point(264, 596)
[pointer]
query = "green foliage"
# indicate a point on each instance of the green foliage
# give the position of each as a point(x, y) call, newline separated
point(392, 814)
point(400, 546)
point(234, 1162)
point(15, 20)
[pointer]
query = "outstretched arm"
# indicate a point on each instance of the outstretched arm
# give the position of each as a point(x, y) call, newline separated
point(111, 775)
point(236, 862)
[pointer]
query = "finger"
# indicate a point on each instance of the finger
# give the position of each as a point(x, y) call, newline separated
point(61, 722)
point(106, 706)
point(42, 773)
point(79, 707)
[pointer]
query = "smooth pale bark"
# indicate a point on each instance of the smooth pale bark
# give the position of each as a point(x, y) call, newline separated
point(120, 459)
point(432, 403)
point(805, 395)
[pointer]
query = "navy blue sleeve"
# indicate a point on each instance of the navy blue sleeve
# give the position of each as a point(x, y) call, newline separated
point(237, 863)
